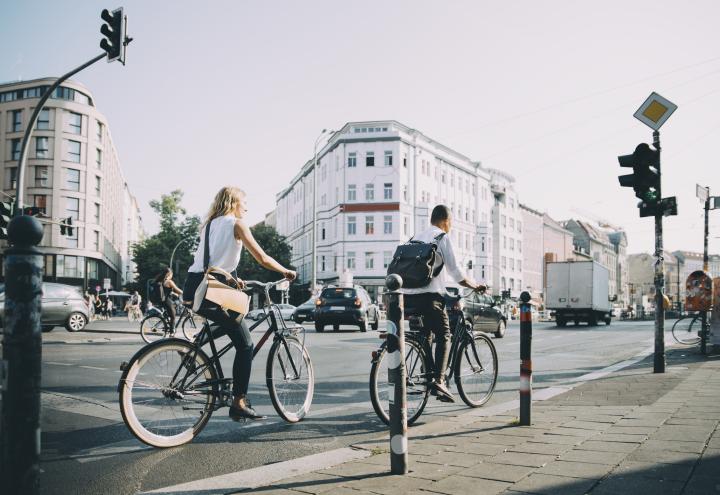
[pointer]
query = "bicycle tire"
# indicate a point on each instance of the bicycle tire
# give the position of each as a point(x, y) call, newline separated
point(417, 383)
point(191, 326)
point(687, 334)
point(476, 354)
point(291, 394)
point(154, 328)
point(157, 409)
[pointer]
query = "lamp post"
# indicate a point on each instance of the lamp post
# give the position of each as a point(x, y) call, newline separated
point(313, 279)
point(175, 249)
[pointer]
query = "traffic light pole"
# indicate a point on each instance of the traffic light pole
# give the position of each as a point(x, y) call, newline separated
point(659, 358)
point(706, 268)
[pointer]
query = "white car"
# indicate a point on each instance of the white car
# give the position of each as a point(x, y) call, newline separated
point(286, 310)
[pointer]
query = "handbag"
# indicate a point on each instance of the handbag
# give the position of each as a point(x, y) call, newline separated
point(218, 288)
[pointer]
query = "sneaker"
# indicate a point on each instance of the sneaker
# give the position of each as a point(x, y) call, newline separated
point(442, 393)
point(244, 411)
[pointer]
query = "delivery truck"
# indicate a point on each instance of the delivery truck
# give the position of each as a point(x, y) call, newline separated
point(578, 291)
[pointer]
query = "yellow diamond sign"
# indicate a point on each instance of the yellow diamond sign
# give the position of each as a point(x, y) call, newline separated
point(655, 111)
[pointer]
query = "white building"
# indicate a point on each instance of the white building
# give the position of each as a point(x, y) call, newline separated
point(507, 234)
point(73, 171)
point(377, 184)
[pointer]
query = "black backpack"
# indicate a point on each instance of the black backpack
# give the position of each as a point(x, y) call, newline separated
point(156, 295)
point(414, 262)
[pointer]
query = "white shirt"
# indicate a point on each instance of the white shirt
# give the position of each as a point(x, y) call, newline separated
point(224, 248)
point(445, 248)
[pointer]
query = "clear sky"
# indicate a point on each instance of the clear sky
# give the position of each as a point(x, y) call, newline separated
point(235, 92)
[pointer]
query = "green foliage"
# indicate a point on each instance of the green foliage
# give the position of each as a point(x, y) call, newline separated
point(153, 253)
point(274, 245)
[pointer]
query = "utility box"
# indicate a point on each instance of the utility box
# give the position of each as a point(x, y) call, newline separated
point(578, 291)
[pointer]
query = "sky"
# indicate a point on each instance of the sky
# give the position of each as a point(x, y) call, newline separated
point(235, 92)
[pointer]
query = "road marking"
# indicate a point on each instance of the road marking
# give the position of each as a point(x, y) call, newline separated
point(59, 364)
point(93, 368)
point(109, 450)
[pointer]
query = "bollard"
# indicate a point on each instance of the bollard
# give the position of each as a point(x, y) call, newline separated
point(525, 361)
point(396, 376)
point(22, 348)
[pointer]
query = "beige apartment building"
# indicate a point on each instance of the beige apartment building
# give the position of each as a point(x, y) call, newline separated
point(73, 171)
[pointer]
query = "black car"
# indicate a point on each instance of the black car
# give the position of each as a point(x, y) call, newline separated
point(304, 312)
point(345, 306)
point(481, 311)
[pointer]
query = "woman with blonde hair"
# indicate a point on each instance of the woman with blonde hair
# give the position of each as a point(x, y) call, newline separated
point(228, 233)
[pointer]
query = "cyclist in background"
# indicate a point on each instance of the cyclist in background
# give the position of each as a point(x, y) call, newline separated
point(429, 301)
point(163, 290)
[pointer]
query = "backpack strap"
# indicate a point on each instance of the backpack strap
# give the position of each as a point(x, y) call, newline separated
point(206, 255)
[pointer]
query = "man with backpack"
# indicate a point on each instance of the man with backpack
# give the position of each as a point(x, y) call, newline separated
point(423, 263)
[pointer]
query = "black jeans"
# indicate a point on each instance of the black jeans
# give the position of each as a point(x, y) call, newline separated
point(236, 330)
point(431, 306)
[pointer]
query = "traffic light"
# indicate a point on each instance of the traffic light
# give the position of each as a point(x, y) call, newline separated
point(114, 32)
point(6, 213)
point(66, 227)
point(645, 179)
point(32, 211)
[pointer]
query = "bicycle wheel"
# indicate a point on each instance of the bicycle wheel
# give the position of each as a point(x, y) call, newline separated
point(686, 330)
point(191, 325)
point(417, 383)
point(476, 370)
point(290, 379)
point(168, 393)
point(154, 328)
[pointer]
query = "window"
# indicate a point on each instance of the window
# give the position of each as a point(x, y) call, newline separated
point(504, 241)
point(11, 178)
point(387, 190)
point(15, 149)
point(512, 264)
point(74, 123)
point(72, 208)
point(405, 193)
point(351, 226)
point(503, 262)
point(322, 263)
point(405, 160)
point(519, 246)
point(98, 185)
point(352, 192)
point(369, 225)
point(99, 128)
point(43, 120)
point(72, 179)
point(16, 125)
point(519, 265)
point(41, 147)
point(73, 151)
point(482, 244)
point(369, 192)
point(387, 224)
point(388, 158)
point(387, 258)
point(97, 213)
point(322, 231)
point(503, 220)
point(370, 159)
point(405, 225)
point(70, 266)
point(511, 222)
point(40, 201)
point(98, 157)
point(443, 177)
point(369, 261)
point(351, 260)
point(512, 244)
point(323, 199)
point(41, 177)
point(352, 160)
point(519, 227)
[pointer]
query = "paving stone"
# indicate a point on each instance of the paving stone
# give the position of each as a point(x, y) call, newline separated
point(587, 425)
point(676, 472)
point(614, 485)
point(631, 430)
point(424, 448)
point(608, 446)
point(702, 485)
point(507, 440)
point(459, 459)
point(378, 459)
point(352, 470)
point(433, 472)
point(314, 483)
point(709, 464)
point(662, 456)
point(621, 437)
point(272, 490)
point(574, 469)
point(462, 485)
point(592, 456)
point(675, 445)
point(482, 449)
point(387, 484)
point(574, 432)
point(523, 459)
point(540, 448)
point(546, 484)
point(682, 433)
point(497, 472)
point(557, 439)
point(639, 422)
point(691, 421)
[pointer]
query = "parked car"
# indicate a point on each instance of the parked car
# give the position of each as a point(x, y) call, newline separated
point(255, 313)
point(482, 312)
point(286, 310)
point(346, 306)
point(61, 305)
point(305, 312)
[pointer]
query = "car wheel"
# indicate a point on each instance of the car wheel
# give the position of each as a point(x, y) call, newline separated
point(47, 328)
point(500, 332)
point(319, 328)
point(561, 323)
point(607, 321)
point(336, 328)
point(75, 322)
point(364, 324)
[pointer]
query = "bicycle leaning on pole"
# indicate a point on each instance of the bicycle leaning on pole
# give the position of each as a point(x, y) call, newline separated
point(686, 330)
point(473, 364)
point(170, 388)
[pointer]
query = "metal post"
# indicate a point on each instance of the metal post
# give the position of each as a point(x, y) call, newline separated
point(396, 375)
point(706, 268)
point(525, 359)
point(22, 348)
point(659, 357)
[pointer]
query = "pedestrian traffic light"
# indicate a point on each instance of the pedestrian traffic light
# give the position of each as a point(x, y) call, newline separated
point(66, 227)
point(114, 32)
point(645, 179)
point(6, 213)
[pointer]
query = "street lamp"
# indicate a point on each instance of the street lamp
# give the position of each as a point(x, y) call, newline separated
point(175, 249)
point(313, 280)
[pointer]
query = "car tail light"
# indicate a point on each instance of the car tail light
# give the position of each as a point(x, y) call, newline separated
point(357, 302)
point(318, 302)
point(459, 305)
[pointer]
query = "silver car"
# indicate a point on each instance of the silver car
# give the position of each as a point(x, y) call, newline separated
point(61, 305)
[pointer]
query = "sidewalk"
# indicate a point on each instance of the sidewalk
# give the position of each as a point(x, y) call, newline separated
point(631, 432)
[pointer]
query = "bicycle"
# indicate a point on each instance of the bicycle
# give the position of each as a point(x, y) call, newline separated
point(473, 364)
point(134, 313)
point(156, 325)
point(170, 388)
point(686, 330)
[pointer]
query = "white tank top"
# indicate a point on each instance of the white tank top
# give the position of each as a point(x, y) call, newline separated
point(224, 248)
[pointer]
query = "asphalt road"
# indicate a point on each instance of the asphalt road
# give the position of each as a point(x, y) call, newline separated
point(86, 448)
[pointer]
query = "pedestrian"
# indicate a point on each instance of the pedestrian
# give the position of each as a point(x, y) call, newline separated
point(98, 307)
point(429, 301)
point(109, 307)
point(228, 233)
point(164, 288)
point(90, 301)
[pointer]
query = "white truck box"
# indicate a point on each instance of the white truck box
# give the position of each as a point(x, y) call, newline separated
point(578, 291)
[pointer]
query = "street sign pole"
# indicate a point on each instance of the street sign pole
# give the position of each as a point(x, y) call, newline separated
point(704, 328)
point(659, 358)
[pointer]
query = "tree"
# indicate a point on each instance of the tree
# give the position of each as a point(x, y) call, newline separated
point(274, 245)
point(153, 253)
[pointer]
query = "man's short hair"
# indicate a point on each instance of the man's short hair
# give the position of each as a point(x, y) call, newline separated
point(439, 213)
